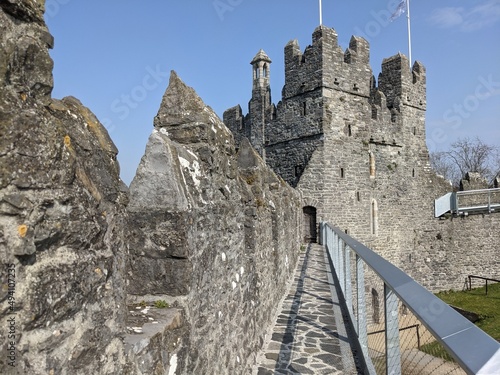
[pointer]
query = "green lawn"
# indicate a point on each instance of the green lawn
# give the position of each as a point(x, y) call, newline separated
point(476, 300)
point(436, 350)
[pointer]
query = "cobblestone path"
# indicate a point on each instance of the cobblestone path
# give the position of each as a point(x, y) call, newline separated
point(305, 338)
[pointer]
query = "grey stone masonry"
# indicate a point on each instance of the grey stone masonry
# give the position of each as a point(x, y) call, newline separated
point(209, 227)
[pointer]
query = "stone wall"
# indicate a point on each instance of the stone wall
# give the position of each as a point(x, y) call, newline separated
point(210, 230)
point(62, 213)
point(213, 227)
point(449, 250)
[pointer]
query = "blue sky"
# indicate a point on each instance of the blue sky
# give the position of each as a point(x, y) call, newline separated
point(116, 56)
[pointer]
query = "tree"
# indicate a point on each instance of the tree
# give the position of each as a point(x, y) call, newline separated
point(496, 168)
point(441, 164)
point(467, 155)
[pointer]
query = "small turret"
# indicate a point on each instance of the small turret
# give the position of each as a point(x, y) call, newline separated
point(261, 68)
point(259, 107)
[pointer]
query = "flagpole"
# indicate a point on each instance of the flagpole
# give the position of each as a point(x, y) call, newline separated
point(320, 14)
point(409, 30)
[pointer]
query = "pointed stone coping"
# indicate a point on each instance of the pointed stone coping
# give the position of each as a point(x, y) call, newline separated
point(186, 119)
point(182, 105)
point(159, 182)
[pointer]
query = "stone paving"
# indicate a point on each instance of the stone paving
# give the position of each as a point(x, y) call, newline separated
point(307, 338)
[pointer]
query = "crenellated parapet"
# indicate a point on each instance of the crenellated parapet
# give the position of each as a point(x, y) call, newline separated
point(330, 93)
point(402, 85)
point(235, 121)
point(326, 64)
point(302, 70)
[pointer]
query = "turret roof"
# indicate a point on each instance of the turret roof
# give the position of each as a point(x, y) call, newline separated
point(260, 56)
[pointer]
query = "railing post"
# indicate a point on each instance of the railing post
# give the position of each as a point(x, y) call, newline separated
point(392, 352)
point(360, 286)
point(341, 269)
point(331, 245)
point(337, 251)
point(454, 200)
point(418, 337)
point(333, 252)
point(348, 283)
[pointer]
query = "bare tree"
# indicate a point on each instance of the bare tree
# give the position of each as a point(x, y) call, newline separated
point(471, 156)
point(496, 168)
point(467, 155)
point(441, 164)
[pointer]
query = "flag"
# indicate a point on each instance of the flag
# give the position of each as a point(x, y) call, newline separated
point(399, 10)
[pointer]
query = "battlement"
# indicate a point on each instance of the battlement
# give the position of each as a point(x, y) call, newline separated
point(401, 85)
point(234, 120)
point(331, 94)
point(326, 64)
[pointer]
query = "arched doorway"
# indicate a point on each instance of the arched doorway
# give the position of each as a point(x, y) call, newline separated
point(310, 225)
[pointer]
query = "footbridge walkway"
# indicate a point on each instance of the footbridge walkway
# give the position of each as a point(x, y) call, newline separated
point(326, 326)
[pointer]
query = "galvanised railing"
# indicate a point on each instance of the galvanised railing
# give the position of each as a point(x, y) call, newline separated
point(451, 344)
point(477, 201)
point(464, 203)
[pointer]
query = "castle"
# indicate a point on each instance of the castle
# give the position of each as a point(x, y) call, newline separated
point(355, 148)
point(206, 225)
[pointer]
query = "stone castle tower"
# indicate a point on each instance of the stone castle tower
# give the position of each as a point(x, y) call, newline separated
point(352, 145)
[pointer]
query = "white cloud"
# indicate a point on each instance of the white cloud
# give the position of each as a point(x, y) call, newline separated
point(480, 16)
point(447, 17)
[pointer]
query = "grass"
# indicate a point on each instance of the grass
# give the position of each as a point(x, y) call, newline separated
point(436, 350)
point(476, 300)
point(161, 304)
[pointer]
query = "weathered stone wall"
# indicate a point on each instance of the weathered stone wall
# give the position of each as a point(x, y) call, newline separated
point(449, 250)
point(214, 227)
point(61, 216)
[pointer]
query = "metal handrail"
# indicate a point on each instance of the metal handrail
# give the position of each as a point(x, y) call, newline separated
point(451, 202)
point(487, 206)
point(470, 277)
point(480, 191)
point(474, 350)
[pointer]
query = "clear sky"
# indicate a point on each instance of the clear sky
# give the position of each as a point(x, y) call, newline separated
point(116, 56)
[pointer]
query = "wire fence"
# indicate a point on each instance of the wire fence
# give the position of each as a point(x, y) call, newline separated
point(401, 327)
point(420, 353)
